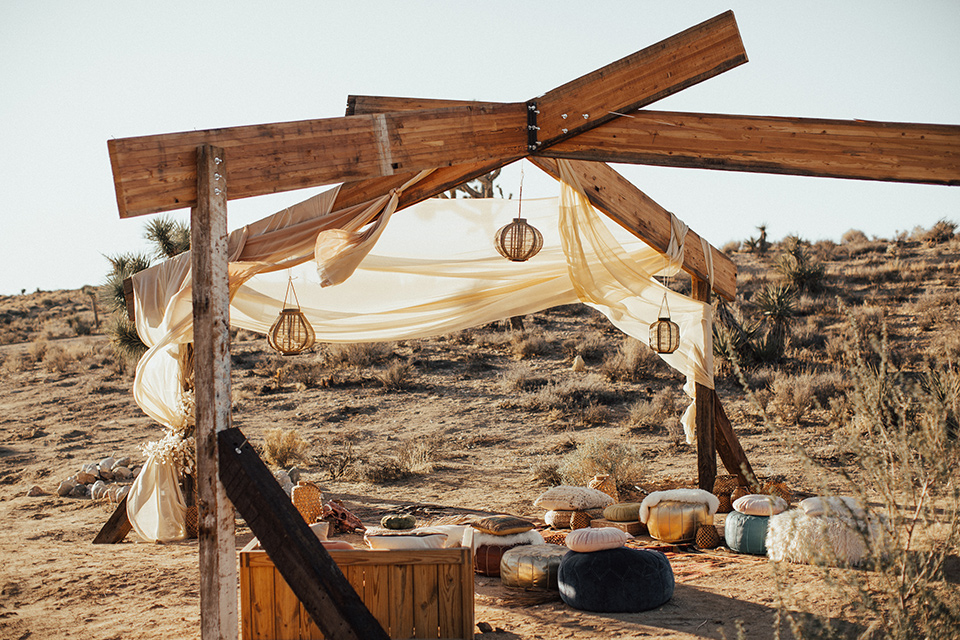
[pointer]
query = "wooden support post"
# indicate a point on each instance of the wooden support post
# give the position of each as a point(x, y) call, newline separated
point(211, 336)
point(728, 446)
point(706, 443)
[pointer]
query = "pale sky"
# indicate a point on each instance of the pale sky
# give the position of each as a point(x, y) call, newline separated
point(74, 74)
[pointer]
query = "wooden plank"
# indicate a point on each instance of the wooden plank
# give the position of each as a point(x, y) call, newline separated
point(610, 193)
point(728, 446)
point(450, 600)
point(376, 593)
point(211, 322)
point(401, 606)
point(467, 590)
point(117, 527)
point(857, 149)
point(706, 442)
point(246, 599)
point(262, 603)
point(287, 608)
point(156, 173)
point(639, 214)
point(426, 622)
point(294, 549)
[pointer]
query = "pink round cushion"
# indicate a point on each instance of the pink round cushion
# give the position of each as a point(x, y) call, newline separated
point(756, 504)
point(584, 540)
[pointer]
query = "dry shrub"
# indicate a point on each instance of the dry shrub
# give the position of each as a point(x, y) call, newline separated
point(283, 447)
point(520, 377)
point(793, 396)
point(599, 456)
point(854, 236)
point(358, 354)
point(633, 361)
point(338, 458)
point(395, 377)
point(594, 415)
point(546, 473)
point(63, 360)
point(37, 350)
point(491, 339)
point(571, 395)
point(902, 433)
point(731, 247)
point(526, 345)
point(942, 231)
point(590, 346)
point(413, 458)
point(15, 362)
point(653, 413)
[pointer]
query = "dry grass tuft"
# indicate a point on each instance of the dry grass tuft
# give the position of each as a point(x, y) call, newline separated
point(359, 354)
point(632, 362)
point(599, 456)
point(283, 447)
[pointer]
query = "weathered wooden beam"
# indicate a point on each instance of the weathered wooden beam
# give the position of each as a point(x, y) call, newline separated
point(636, 212)
point(117, 527)
point(157, 173)
point(607, 190)
point(858, 149)
point(706, 441)
point(728, 446)
point(211, 335)
point(296, 552)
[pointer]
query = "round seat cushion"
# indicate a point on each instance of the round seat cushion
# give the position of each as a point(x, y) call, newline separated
point(532, 566)
point(621, 580)
point(745, 533)
point(623, 512)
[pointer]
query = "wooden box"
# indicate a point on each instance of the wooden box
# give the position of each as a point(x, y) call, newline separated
point(633, 528)
point(423, 593)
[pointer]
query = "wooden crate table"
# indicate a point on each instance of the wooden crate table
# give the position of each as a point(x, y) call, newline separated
point(422, 593)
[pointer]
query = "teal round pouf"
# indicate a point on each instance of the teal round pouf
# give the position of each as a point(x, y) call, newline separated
point(618, 580)
point(746, 534)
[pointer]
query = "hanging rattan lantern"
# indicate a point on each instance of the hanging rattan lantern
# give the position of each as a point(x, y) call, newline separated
point(518, 241)
point(664, 333)
point(291, 333)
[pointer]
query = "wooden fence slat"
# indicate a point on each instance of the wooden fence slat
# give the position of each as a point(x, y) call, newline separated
point(376, 592)
point(450, 601)
point(288, 610)
point(262, 588)
point(426, 622)
point(401, 606)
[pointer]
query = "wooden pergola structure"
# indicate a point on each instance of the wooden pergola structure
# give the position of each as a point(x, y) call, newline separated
point(377, 146)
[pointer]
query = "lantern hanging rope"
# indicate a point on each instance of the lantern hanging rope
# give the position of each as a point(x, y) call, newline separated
point(291, 333)
point(518, 241)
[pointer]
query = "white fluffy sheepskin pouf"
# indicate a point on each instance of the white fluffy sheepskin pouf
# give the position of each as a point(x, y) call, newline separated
point(796, 536)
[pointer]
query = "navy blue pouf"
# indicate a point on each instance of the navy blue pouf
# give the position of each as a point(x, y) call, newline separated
point(746, 534)
point(615, 580)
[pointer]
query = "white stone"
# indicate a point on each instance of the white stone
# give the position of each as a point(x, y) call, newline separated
point(106, 474)
point(107, 463)
point(36, 491)
point(122, 492)
point(66, 487)
point(578, 364)
point(85, 477)
point(122, 462)
point(122, 473)
point(98, 490)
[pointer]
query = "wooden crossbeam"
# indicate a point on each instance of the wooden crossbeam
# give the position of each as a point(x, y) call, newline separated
point(606, 189)
point(306, 566)
point(888, 151)
point(157, 173)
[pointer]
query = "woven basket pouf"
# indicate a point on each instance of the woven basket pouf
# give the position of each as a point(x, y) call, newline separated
point(580, 520)
point(707, 537)
point(555, 537)
point(606, 484)
point(193, 521)
point(621, 580)
point(779, 489)
point(308, 500)
point(746, 534)
point(726, 504)
point(724, 484)
point(739, 492)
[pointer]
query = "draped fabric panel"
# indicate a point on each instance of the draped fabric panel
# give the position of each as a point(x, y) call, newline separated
point(428, 270)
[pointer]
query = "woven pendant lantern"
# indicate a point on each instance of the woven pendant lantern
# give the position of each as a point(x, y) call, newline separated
point(664, 333)
point(518, 241)
point(291, 333)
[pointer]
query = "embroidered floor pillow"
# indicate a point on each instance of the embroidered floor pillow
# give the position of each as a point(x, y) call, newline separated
point(756, 504)
point(587, 540)
point(502, 525)
point(623, 512)
point(568, 498)
point(621, 580)
point(745, 533)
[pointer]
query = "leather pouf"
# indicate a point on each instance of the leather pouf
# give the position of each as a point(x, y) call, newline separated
point(676, 522)
point(486, 559)
point(746, 534)
point(621, 580)
point(532, 566)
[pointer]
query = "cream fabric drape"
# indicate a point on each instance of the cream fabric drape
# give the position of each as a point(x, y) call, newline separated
point(433, 270)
